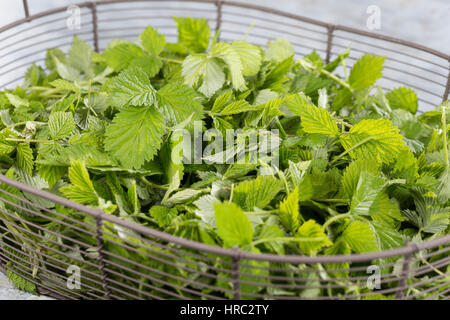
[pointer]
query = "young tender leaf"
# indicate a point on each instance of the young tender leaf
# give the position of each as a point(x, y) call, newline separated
point(66, 71)
point(80, 56)
point(375, 140)
point(388, 237)
point(403, 98)
point(277, 75)
point(135, 136)
point(353, 172)
point(311, 229)
point(406, 166)
point(270, 230)
point(65, 85)
point(279, 50)
point(314, 119)
point(250, 57)
point(119, 56)
point(367, 190)
point(60, 125)
point(205, 209)
point(82, 190)
point(24, 157)
point(233, 226)
point(152, 41)
point(50, 56)
point(193, 33)
point(289, 211)
point(163, 215)
point(199, 68)
point(132, 87)
point(238, 106)
point(385, 210)
point(226, 52)
point(149, 64)
point(134, 199)
point(17, 101)
point(222, 101)
point(177, 102)
point(360, 237)
point(366, 71)
point(256, 193)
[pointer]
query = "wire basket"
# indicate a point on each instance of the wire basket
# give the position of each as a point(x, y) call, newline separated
point(118, 259)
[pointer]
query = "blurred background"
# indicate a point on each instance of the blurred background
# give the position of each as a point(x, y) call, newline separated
point(422, 21)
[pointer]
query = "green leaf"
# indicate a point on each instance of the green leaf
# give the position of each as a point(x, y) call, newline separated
point(270, 230)
point(120, 56)
point(51, 54)
point(60, 125)
point(403, 98)
point(134, 199)
point(360, 237)
point(135, 136)
point(66, 71)
point(17, 101)
point(353, 172)
point(205, 209)
point(277, 75)
point(233, 226)
point(279, 50)
point(80, 56)
point(367, 190)
point(152, 41)
point(375, 140)
point(65, 85)
point(366, 71)
point(226, 52)
point(132, 87)
point(311, 229)
point(314, 119)
point(193, 33)
point(163, 215)
point(24, 157)
point(149, 64)
point(238, 106)
point(82, 190)
point(177, 102)
point(250, 57)
point(385, 210)
point(289, 211)
point(221, 101)
point(199, 69)
point(388, 237)
point(256, 193)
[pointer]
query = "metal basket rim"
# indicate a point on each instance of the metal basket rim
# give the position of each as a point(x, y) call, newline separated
point(232, 253)
point(190, 244)
point(334, 27)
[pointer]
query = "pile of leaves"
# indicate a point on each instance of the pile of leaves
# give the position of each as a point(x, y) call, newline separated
point(359, 170)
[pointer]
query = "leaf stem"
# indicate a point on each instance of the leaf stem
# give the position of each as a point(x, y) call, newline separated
point(25, 122)
point(152, 185)
point(444, 129)
point(28, 140)
point(171, 60)
point(334, 219)
point(351, 148)
point(337, 79)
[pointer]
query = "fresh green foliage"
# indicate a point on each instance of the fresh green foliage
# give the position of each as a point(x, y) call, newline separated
point(358, 170)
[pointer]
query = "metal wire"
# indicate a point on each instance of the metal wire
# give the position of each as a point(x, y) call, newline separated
point(144, 263)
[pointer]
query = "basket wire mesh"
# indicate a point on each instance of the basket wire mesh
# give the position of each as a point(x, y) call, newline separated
point(119, 259)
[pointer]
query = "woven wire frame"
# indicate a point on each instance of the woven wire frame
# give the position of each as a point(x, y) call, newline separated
point(118, 259)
